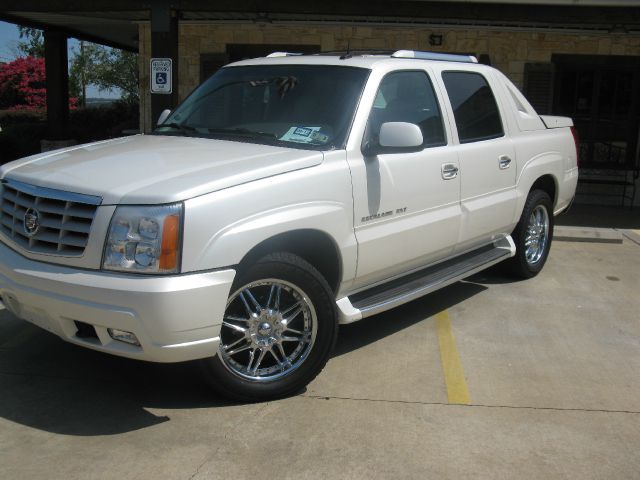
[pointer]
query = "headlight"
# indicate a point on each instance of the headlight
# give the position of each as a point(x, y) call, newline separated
point(144, 239)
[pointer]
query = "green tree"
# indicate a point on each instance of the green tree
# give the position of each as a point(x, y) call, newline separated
point(106, 68)
point(33, 44)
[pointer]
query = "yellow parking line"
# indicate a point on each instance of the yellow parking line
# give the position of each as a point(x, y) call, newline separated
point(457, 391)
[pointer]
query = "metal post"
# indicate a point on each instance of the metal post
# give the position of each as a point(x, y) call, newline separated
point(164, 44)
point(57, 74)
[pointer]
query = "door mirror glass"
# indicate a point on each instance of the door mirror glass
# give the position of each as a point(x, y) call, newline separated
point(163, 116)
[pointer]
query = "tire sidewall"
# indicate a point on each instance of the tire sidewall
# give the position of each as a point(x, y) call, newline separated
point(536, 198)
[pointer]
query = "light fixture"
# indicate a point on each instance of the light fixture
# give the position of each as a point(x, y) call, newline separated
point(435, 40)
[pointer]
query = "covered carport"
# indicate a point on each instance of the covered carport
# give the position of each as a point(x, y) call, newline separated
point(568, 56)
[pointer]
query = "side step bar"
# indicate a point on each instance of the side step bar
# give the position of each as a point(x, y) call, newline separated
point(402, 290)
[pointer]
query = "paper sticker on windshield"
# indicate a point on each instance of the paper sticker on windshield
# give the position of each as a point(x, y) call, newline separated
point(304, 135)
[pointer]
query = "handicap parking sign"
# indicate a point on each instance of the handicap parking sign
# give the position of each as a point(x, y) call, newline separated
point(161, 75)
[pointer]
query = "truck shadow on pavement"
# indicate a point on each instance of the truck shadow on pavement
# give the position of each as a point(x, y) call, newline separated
point(54, 386)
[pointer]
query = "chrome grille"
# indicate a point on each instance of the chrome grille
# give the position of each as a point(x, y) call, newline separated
point(64, 218)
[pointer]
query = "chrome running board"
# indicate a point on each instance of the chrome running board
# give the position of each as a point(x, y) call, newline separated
point(405, 289)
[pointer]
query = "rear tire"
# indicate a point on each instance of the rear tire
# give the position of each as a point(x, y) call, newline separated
point(280, 326)
point(532, 236)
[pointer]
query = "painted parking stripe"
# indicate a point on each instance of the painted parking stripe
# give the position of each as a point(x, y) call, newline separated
point(457, 391)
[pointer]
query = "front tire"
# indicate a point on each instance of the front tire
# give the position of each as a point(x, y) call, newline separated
point(532, 236)
point(279, 328)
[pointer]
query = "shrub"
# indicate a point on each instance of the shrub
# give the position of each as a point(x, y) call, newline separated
point(22, 130)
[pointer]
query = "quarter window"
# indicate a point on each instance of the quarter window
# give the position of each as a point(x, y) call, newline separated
point(474, 106)
point(408, 96)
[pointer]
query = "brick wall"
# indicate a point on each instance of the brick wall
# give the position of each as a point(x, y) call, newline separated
point(509, 51)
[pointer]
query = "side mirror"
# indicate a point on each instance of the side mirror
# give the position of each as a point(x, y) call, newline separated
point(400, 135)
point(163, 116)
point(396, 137)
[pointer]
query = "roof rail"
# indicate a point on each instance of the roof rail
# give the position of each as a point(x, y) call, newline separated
point(445, 57)
point(283, 54)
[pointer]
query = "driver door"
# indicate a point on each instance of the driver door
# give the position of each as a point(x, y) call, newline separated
point(406, 205)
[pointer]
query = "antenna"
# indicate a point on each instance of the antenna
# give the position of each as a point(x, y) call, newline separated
point(348, 54)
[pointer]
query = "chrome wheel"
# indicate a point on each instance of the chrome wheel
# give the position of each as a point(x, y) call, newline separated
point(268, 330)
point(537, 235)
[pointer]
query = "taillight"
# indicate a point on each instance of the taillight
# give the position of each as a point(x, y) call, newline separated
point(576, 140)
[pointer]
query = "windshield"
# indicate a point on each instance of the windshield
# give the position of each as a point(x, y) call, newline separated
point(307, 106)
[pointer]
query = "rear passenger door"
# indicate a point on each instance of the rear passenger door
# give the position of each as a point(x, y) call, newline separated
point(487, 159)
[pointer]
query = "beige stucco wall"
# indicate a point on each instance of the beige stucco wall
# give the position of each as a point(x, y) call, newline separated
point(509, 51)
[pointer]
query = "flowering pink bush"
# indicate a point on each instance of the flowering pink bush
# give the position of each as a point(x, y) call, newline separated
point(23, 85)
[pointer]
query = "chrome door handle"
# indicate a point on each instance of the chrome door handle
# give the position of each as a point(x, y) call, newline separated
point(449, 171)
point(504, 161)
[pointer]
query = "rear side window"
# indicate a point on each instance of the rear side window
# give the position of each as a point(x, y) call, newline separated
point(408, 96)
point(474, 106)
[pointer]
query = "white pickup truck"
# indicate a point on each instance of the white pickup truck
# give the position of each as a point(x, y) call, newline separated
point(284, 196)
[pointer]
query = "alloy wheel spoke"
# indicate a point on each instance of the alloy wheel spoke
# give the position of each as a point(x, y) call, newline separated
point(227, 348)
point(296, 306)
point(234, 327)
point(250, 312)
point(252, 355)
point(253, 300)
point(281, 363)
point(235, 318)
point(286, 338)
point(293, 330)
point(274, 297)
point(263, 352)
point(284, 355)
point(241, 349)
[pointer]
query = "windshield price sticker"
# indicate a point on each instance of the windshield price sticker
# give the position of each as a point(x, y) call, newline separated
point(304, 135)
point(161, 75)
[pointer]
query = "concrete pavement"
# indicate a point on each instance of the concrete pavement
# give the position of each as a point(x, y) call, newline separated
point(551, 366)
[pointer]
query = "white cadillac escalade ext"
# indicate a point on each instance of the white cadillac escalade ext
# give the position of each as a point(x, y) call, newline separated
point(284, 196)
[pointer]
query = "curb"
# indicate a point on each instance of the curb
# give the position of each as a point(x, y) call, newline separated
point(587, 234)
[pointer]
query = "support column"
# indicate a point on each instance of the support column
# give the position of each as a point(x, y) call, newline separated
point(164, 44)
point(57, 73)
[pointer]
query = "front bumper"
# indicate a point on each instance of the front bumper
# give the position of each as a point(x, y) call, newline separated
point(175, 318)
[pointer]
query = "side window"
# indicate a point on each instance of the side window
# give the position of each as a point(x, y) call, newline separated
point(408, 96)
point(474, 106)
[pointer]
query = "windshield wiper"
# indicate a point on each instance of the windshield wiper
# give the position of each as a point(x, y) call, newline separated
point(186, 129)
point(242, 132)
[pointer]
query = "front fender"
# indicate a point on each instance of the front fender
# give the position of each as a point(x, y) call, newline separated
point(222, 227)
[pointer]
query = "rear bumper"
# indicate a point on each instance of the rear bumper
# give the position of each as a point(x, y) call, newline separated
point(175, 318)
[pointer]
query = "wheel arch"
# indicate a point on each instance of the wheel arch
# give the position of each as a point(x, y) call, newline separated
point(314, 246)
point(547, 183)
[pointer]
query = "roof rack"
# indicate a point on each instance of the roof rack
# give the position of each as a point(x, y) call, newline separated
point(445, 57)
point(283, 54)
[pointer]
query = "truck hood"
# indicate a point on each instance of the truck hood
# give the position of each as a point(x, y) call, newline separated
point(148, 169)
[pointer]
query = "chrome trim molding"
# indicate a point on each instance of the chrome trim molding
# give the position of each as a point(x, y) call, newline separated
point(52, 193)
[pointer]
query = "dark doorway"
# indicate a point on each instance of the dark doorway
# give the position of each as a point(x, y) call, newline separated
point(602, 95)
point(210, 63)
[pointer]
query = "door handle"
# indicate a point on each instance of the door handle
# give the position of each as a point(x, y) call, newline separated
point(504, 161)
point(449, 171)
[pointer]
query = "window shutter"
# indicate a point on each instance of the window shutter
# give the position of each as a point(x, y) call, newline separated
point(538, 86)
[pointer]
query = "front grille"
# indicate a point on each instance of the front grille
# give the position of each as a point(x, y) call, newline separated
point(63, 219)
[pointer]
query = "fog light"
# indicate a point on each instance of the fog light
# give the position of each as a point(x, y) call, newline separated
point(122, 336)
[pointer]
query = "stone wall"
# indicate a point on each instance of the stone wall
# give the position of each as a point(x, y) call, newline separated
point(509, 51)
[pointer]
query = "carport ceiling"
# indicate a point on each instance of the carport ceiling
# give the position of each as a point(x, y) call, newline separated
point(114, 22)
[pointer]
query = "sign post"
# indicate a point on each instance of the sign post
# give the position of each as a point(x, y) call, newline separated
point(161, 81)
